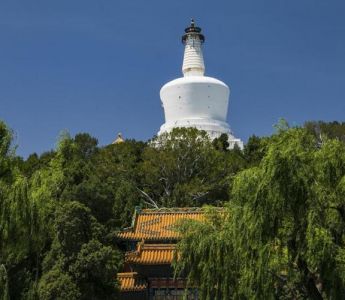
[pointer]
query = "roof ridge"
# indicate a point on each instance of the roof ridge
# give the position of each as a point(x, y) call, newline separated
point(127, 274)
point(172, 210)
point(158, 246)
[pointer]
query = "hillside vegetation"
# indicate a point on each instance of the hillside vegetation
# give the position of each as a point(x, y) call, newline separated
point(281, 236)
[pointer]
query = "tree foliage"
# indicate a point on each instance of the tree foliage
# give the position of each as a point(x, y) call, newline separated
point(280, 235)
point(80, 254)
point(320, 129)
point(205, 255)
point(185, 169)
point(285, 226)
point(48, 218)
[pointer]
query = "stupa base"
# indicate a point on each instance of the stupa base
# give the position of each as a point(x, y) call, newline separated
point(214, 129)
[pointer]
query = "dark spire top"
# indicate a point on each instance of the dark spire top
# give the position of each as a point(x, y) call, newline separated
point(193, 31)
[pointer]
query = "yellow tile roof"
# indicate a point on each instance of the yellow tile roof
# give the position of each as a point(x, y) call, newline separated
point(157, 224)
point(148, 254)
point(130, 282)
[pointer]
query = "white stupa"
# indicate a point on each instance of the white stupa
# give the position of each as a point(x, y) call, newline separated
point(195, 100)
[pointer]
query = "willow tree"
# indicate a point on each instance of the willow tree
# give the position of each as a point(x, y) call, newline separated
point(286, 226)
point(205, 255)
point(4, 289)
point(21, 237)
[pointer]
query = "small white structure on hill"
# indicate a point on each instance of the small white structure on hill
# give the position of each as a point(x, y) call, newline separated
point(195, 100)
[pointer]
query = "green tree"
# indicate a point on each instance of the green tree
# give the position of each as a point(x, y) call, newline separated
point(254, 150)
point(117, 167)
point(4, 289)
point(285, 226)
point(6, 154)
point(205, 255)
point(322, 129)
point(21, 241)
point(57, 285)
point(183, 168)
point(221, 143)
point(79, 256)
point(94, 270)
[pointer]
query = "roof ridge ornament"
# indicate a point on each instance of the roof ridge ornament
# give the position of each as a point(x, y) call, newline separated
point(119, 139)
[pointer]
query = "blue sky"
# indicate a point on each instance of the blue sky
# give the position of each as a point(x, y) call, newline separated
point(97, 66)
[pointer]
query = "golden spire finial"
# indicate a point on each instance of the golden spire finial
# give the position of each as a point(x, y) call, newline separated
point(119, 139)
